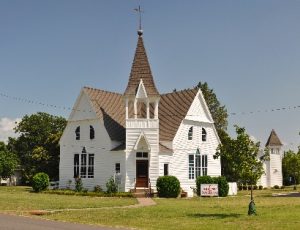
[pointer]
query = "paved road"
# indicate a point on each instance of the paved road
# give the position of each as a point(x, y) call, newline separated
point(12, 222)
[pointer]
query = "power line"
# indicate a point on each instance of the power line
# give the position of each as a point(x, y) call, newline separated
point(49, 105)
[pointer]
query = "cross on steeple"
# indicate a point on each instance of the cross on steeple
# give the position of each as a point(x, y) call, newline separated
point(140, 11)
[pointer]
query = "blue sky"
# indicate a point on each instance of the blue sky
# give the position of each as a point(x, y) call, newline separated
point(247, 51)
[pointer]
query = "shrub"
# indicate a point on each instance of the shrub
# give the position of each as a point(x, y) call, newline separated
point(255, 187)
point(78, 184)
point(40, 182)
point(98, 188)
point(260, 187)
point(245, 187)
point(249, 187)
point(111, 186)
point(168, 186)
point(282, 187)
point(240, 187)
point(223, 185)
point(276, 187)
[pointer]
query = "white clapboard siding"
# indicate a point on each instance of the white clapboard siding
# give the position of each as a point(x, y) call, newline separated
point(150, 133)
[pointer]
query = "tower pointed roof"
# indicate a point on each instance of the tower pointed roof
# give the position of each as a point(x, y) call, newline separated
point(141, 70)
point(273, 139)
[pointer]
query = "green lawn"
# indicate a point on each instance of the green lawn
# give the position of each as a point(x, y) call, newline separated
point(196, 213)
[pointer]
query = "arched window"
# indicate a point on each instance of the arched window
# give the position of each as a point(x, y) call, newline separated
point(92, 132)
point(204, 134)
point(190, 133)
point(77, 133)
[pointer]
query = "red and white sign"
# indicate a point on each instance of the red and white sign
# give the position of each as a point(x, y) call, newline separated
point(209, 190)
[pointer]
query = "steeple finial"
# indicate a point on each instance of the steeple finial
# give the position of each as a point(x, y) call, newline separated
point(140, 11)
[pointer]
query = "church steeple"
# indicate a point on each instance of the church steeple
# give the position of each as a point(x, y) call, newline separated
point(141, 70)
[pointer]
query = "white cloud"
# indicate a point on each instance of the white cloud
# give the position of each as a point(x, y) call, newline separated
point(6, 128)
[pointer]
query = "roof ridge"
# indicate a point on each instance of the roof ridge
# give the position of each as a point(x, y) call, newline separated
point(180, 91)
point(102, 90)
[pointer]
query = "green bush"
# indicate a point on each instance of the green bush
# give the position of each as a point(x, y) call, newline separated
point(221, 181)
point(111, 186)
point(276, 187)
point(245, 187)
point(78, 184)
point(98, 188)
point(240, 187)
point(40, 182)
point(168, 186)
point(255, 187)
point(260, 187)
point(223, 185)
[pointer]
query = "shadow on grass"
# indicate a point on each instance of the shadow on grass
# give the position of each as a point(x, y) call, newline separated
point(215, 215)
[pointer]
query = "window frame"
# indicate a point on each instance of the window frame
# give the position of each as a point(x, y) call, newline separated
point(166, 169)
point(92, 132)
point(197, 165)
point(84, 165)
point(190, 133)
point(77, 133)
point(204, 135)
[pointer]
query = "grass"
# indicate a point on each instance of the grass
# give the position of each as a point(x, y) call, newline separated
point(195, 213)
point(21, 199)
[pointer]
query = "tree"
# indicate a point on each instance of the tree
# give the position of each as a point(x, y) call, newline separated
point(38, 144)
point(291, 167)
point(8, 162)
point(218, 112)
point(241, 155)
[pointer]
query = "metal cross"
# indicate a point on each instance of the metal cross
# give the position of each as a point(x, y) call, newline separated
point(140, 11)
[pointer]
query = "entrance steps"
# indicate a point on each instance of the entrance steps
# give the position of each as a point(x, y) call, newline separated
point(142, 192)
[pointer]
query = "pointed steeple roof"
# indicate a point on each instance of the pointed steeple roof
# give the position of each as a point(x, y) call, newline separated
point(141, 70)
point(273, 139)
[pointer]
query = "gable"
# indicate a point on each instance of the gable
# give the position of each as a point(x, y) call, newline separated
point(82, 109)
point(199, 110)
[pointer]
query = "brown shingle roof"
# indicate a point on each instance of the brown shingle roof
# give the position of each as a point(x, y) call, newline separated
point(273, 139)
point(110, 108)
point(173, 107)
point(140, 70)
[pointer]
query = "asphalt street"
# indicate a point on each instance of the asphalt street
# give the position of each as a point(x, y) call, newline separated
point(13, 222)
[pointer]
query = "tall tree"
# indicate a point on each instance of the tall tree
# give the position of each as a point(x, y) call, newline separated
point(291, 167)
point(243, 162)
point(8, 161)
point(38, 144)
point(218, 111)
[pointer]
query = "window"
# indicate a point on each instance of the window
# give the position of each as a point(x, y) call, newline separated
point(91, 166)
point(204, 134)
point(92, 132)
point(166, 169)
point(142, 155)
point(190, 133)
point(76, 165)
point(197, 165)
point(84, 165)
point(117, 167)
point(77, 133)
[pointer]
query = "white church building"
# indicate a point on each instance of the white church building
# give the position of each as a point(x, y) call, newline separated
point(139, 134)
point(272, 167)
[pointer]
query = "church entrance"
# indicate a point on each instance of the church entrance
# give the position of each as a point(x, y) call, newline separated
point(142, 174)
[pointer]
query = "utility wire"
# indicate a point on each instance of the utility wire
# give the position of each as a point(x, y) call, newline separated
point(27, 101)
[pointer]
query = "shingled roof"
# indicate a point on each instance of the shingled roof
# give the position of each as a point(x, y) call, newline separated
point(273, 139)
point(140, 70)
point(173, 107)
point(110, 108)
